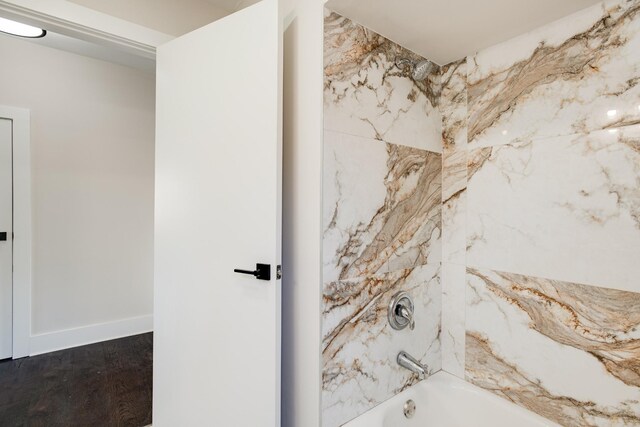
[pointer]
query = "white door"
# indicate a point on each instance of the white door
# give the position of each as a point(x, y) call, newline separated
point(6, 229)
point(218, 181)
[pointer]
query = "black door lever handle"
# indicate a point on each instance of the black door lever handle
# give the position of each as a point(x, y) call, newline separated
point(262, 271)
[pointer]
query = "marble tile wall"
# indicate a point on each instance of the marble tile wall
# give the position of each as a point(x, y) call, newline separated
point(366, 94)
point(541, 218)
point(559, 80)
point(453, 106)
point(569, 204)
point(564, 350)
point(382, 190)
point(504, 189)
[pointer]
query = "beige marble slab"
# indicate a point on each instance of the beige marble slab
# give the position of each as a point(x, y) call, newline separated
point(359, 347)
point(567, 351)
point(576, 75)
point(367, 94)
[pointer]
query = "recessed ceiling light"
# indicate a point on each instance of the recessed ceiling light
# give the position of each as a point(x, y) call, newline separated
point(504, 132)
point(21, 30)
point(614, 130)
point(612, 113)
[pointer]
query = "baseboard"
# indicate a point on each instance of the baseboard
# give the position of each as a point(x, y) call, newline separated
point(68, 338)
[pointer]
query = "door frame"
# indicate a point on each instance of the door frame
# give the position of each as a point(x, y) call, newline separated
point(21, 176)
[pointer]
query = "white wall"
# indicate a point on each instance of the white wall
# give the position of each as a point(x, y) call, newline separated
point(175, 17)
point(302, 210)
point(92, 142)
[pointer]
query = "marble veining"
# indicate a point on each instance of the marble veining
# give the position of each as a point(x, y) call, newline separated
point(541, 175)
point(359, 347)
point(519, 240)
point(382, 218)
point(577, 75)
point(367, 94)
point(453, 106)
point(381, 207)
point(453, 318)
point(382, 221)
point(567, 351)
point(565, 207)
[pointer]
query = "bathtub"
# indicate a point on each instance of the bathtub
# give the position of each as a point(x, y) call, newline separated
point(444, 400)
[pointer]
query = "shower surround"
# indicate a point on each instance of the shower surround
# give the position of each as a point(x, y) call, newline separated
point(527, 275)
point(541, 218)
point(382, 218)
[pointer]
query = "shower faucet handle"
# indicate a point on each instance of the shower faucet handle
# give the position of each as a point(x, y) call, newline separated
point(401, 311)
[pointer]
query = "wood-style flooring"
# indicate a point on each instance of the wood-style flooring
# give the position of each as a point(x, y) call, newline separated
point(104, 384)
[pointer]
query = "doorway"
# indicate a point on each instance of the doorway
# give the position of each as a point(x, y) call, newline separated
point(257, 297)
point(85, 319)
point(15, 232)
point(6, 233)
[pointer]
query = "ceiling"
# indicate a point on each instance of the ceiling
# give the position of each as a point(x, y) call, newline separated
point(92, 50)
point(173, 17)
point(232, 5)
point(447, 30)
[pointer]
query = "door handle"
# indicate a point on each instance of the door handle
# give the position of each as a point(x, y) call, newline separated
point(3, 236)
point(262, 271)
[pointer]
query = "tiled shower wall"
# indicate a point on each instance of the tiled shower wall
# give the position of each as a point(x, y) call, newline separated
point(382, 218)
point(541, 218)
point(538, 231)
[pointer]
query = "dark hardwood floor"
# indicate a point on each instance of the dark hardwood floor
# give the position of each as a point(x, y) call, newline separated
point(103, 384)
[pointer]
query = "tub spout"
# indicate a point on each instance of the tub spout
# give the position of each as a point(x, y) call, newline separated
point(409, 362)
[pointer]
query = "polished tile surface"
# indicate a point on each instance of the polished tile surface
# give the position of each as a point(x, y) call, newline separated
point(564, 207)
point(567, 351)
point(453, 105)
point(359, 348)
point(541, 175)
point(382, 218)
point(536, 237)
point(382, 226)
point(578, 75)
point(367, 94)
point(381, 207)
point(453, 318)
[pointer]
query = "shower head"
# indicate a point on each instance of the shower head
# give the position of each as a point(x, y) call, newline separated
point(422, 69)
point(419, 69)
